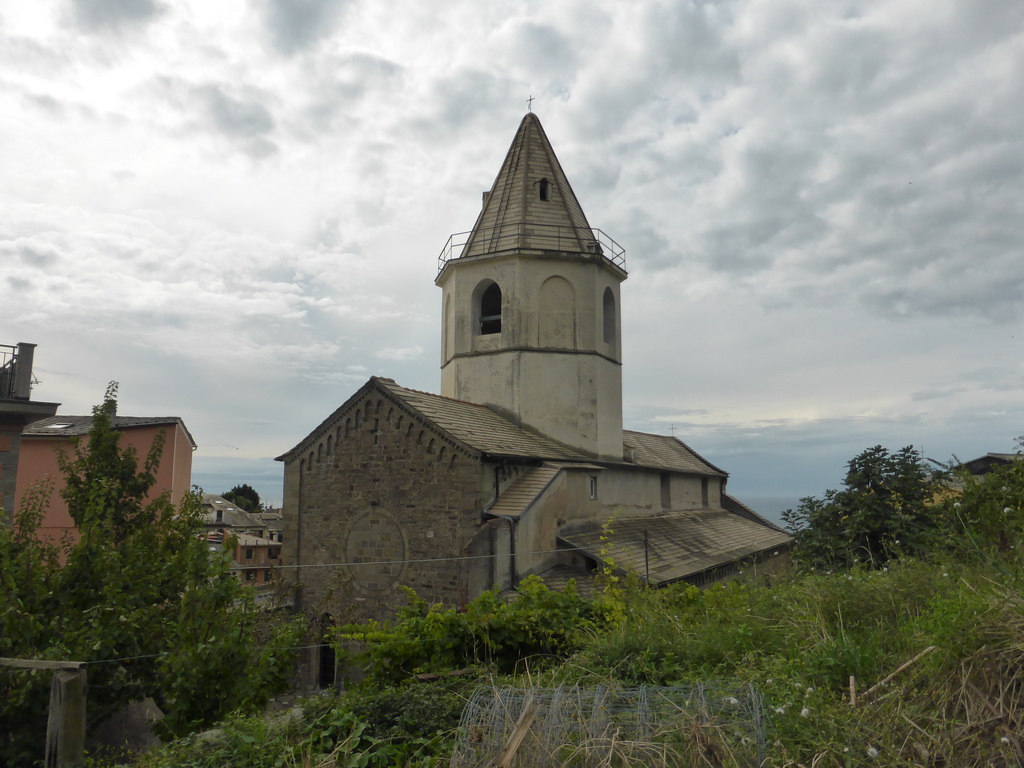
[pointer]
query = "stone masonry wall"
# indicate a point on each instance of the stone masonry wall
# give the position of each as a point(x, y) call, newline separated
point(379, 485)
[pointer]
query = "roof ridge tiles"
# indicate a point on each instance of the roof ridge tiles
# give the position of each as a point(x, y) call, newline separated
point(395, 384)
point(528, 429)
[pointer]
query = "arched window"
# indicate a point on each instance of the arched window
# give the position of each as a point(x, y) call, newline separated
point(490, 310)
point(609, 316)
point(544, 190)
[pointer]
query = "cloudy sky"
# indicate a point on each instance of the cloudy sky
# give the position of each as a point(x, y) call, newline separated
point(234, 209)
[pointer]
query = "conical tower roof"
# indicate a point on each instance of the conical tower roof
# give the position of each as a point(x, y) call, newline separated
point(531, 204)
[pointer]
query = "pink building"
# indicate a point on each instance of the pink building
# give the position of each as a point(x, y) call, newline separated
point(44, 439)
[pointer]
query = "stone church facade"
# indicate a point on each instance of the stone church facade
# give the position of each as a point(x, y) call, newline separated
point(515, 467)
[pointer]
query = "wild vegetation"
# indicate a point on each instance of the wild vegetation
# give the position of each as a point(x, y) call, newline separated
point(895, 657)
point(138, 597)
point(916, 595)
point(884, 511)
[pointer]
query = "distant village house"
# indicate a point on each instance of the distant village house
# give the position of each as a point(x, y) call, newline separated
point(256, 537)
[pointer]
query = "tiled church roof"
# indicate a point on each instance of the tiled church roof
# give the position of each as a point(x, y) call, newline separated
point(515, 500)
point(485, 431)
point(478, 427)
point(677, 545)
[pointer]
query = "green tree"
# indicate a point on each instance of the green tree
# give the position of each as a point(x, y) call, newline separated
point(140, 598)
point(983, 515)
point(884, 510)
point(105, 489)
point(246, 497)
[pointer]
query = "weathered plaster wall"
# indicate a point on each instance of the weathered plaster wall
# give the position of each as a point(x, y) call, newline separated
point(550, 366)
point(620, 493)
point(538, 529)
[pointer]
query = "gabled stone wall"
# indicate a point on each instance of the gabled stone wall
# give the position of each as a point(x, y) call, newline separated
point(379, 485)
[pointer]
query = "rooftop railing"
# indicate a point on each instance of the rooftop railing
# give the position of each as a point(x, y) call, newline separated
point(16, 371)
point(545, 237)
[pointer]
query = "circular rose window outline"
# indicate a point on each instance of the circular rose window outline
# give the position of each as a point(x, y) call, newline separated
point(376, 537)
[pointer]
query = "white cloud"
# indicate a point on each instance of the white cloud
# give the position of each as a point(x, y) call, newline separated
point(107, 15)
point(294, 25)
point(400, 353)
point(235, 208)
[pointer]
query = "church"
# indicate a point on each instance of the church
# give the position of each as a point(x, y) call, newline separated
point(521, 464)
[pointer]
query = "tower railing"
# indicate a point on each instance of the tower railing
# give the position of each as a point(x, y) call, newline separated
point(544, 237)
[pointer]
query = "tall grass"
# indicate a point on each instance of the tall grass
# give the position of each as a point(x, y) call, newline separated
point(802, 640)
point(799, 641)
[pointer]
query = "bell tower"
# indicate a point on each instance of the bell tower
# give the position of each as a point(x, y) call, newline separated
point(531, 320)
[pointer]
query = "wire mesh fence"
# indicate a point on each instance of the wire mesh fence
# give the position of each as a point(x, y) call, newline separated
point(709, 724)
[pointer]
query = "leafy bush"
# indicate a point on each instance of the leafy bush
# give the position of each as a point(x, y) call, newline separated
point(539, 624)
point(411, 711)
point(983, 515)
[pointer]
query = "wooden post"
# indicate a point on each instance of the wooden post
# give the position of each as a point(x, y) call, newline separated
point(522, 727)
point(65, 726)
point(65, 723)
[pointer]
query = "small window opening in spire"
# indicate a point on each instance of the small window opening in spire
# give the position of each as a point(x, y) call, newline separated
point(490, 310)
point(545, 190)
